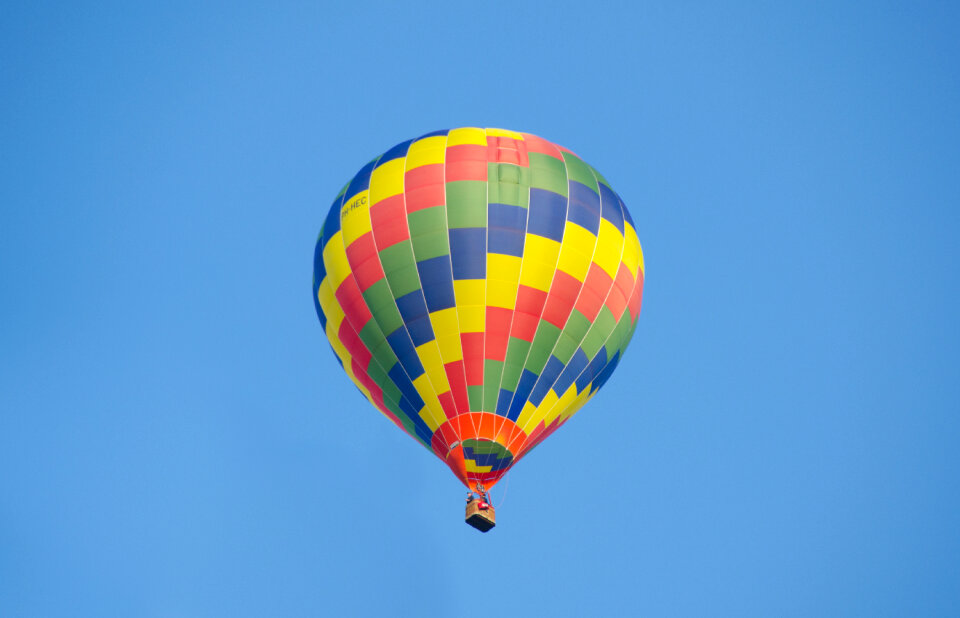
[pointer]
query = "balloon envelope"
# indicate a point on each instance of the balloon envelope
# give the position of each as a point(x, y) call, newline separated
point(478, 286)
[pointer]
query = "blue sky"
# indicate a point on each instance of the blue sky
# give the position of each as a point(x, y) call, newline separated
point(176, 438)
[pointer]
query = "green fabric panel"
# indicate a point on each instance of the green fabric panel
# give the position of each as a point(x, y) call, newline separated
point(487, 447)
point(377, 374)
point(467, 203)
point(392, 391)
point(566, 347)
point(548, 173)
point(475, 396)
point(542, 346)
point(601, 329)
point(433, 219)
point(517, 350)
point(396, 256)
point(620, 336)
point(404, 280)
point(580, 171)
point(577, 326)
point(371, 335)
point(431, 245)
point(385, 356)
point(492, 372)
point(383, 307)
point(600, 177)
point(401, 270)
point(508, 184)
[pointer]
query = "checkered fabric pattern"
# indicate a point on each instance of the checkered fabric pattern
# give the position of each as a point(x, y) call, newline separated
point(478, 286)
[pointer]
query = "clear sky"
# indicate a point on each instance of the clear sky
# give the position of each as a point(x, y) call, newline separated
point(177, 439)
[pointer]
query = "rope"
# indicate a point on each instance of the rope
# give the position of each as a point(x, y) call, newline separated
point(505, 488)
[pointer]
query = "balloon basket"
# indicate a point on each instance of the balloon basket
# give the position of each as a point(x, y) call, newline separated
point(480, 515)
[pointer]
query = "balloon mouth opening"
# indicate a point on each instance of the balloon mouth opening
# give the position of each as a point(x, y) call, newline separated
point(479, 460)
point(486, 455)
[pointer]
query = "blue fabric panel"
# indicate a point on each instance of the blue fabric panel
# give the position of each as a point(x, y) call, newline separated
point(331, 224)
point(610, 207)
point(574, 368)
point(360, 182)
point(503, 402)
point(468, 252)
point(402, 346)
point(507, 225)
point(507, 216)
point(605, 373)
point(527, 380)
point(319, 272)
point(421, 331)
point(505, 241)
point(435, 133)
point(487, 459)
point(410, 394)
point(413, 413)
point(548, 376)
point(584, 207)
point(626, 213)
point(593, 369)
point(437, 281)
point(400, 150)
point(412, 306)
point(548, 214)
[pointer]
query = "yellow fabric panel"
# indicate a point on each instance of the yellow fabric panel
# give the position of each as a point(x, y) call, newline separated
point(577, 251)
point(567, 399)
point(473, 467)
point(503, 277)
point(527, 412)
point(429, 354)
point(446, 328)
point(503, 267)
point(502, 294)
point(426, 151)
point(504, 133)
point(355, 220)
point(432, 414)
point(468, 135)
point(539, 262)
point(632, 254)
point(472, 318)
point(539, 414)
point(609, 248)
point(335, 260)
point(386, 180)
point(568, 407)
point(328, 302)
point(581, 401)
point(469, 291)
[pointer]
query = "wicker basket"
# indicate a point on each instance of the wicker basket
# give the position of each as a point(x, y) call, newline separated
point(483, 519)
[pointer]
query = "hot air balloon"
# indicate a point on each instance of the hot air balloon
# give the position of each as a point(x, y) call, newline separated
point(478, 286)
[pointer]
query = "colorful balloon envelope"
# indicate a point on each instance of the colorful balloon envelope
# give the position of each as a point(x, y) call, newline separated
point(478, 286)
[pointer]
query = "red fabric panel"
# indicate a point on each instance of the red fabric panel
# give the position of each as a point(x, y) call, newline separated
point(540, 145)
point(466, 162)
point(563, 293)
point(458, 385)
point(472, 344)
point(389, 222)
point(498, 332)
point(354, 307)
point(424, 187)
point(594, 292)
